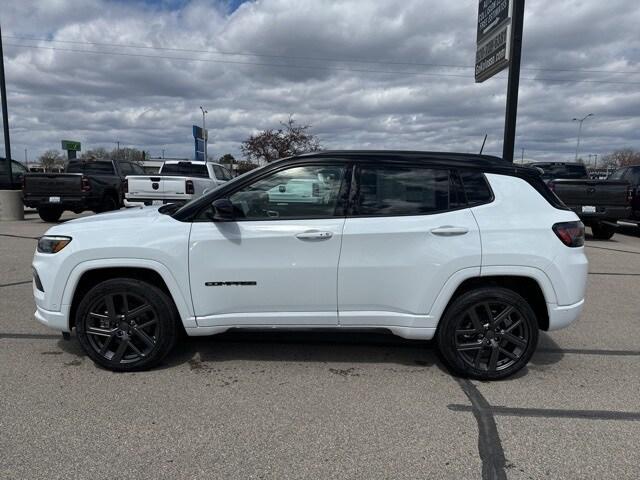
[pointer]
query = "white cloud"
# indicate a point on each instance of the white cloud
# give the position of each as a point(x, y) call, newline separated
point(151, 102)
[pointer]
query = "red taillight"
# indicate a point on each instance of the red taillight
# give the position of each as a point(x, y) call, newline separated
point(570, 233)
point(189, 187)
point(85, 185)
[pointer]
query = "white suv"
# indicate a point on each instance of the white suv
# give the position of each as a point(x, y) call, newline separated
point(468, 249)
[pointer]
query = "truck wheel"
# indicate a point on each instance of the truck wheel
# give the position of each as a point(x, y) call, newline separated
point(125, 324)
point(50, 214)
point(108, 204)
point(488, 334)
point(602, 232)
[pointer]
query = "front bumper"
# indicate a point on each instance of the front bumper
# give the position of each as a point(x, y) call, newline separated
point(561, 316)
point(56, 320)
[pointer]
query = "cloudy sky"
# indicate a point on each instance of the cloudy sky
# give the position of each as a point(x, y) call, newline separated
point(365, 74)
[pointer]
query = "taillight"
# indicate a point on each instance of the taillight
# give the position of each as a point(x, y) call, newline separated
point(85, 185)
point(126, 186)
point(24, 182)
point(570, 233)
point(629, 194)
point(189, 187)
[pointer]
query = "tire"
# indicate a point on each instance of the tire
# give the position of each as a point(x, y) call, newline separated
point(471, 354)
point(108, 204)
point(50, 214)
point(602, 232)
point(130, 335)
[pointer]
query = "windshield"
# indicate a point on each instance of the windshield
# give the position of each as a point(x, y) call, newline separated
point(553, 171)
point(186, 169)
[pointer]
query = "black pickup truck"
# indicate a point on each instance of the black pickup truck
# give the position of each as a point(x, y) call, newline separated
point(97, 185)
point(598, 203)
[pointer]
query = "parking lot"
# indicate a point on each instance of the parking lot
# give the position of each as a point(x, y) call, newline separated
point(319, 405)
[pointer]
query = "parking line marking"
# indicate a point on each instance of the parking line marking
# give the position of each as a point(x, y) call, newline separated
point(613, 273)
point(489, 444)
point(29, 336)
point(18, 236)
point(590, 351)
point(24, 282)
point(552, 413)
point(612, 249)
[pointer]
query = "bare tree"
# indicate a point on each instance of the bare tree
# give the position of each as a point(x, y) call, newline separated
point(244, 166)
point(622, 158)
point(96, 153)
point(289, 139)
point(51, 159)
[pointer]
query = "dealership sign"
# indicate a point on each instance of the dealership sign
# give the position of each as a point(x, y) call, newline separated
point(71, 145)
point(493, 46)
point(200, 137)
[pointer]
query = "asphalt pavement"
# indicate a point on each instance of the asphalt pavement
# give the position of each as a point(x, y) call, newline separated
point(322, 405)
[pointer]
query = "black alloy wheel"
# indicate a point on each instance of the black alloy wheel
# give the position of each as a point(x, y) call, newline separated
point(488, 334)
point(125, 324)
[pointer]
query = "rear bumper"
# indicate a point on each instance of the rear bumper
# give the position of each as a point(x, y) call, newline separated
point(148, 198)
point(602, 213)
point(67, 203)
point(561, 316)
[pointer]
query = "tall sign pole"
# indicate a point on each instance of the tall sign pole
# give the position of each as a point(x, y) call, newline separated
point(514, 81)
point(499, 45)
point(5, 115)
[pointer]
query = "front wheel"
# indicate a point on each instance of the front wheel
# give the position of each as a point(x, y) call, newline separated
point(602, 232)
point(125, 324)
point(488, 334)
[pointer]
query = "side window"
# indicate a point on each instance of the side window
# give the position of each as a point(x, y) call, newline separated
point(125, 168)
point(219, 172)
point(297, 192)
point(618, 174)
point(388, 190)
point(634, 178)
point(137, 169)
point(476, 187)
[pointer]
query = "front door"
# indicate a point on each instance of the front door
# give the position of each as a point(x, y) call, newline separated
point(277, 262)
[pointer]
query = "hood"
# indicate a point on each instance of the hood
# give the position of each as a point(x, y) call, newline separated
point(135, 218)
point(133, 212)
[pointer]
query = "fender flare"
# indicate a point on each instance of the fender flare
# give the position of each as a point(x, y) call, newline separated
point(183, 306)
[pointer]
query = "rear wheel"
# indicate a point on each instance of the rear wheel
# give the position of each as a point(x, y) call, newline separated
point(602, 232)
point(488, 334)
point(125, 324)
point(108, 204)
point(50, 213)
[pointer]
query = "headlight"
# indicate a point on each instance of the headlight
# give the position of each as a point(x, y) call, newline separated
point(51, 244)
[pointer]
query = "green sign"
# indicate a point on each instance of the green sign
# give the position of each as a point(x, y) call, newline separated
point(71, 145)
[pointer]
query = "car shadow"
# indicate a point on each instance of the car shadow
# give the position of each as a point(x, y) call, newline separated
point(318, 347)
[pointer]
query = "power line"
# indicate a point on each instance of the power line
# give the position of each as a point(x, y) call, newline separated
point(310, 58)
point(309, 67)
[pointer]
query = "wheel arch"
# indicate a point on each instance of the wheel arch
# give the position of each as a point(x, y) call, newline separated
point(529, 286)
point(85, 276)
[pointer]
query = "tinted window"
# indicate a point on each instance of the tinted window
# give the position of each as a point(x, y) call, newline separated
point(185, 169)
point(137, 169)
point(618, 174)
point(551, 171)
point(475, 187)
point(390, 190)
point(221, 173)
point(125, 168)
point(298, 192)
point(104, 168)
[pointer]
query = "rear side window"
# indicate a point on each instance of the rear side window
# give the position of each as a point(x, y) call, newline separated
point(387, 190)
point(475, 187)
point(221, 173)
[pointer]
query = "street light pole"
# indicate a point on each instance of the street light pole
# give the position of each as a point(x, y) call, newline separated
point(204, 131)
point(5, 115)
point(580, 121)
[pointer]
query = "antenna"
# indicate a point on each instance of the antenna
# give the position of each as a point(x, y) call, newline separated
point(483, 142)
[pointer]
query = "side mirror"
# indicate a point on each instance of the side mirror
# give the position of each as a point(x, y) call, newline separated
point(223, 210)
point(282, 188)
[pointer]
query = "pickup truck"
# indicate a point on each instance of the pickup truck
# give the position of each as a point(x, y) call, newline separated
point(177, 181)
point(598, 203)
point(96, 185)
point(630, 174)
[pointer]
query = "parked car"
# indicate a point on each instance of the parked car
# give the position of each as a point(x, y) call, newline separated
point(177, 182)
point(632, 176)
point(468, 249)
point(598, 203)
point(17, 172)
point(96, 185)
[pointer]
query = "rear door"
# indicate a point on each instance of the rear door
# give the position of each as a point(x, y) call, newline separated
point(408, 231)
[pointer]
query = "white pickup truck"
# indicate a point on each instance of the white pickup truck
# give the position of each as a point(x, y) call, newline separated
point(177, 181)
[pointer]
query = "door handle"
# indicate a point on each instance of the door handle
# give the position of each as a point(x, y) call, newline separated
point(449, 231)
point(314, 235)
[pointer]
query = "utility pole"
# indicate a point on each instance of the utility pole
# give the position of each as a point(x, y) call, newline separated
point(26, 160)
point(204, 132)
point(580, 122)
point(514, 81)
point(522, 159)
point(5, 115)
point(163, 154)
